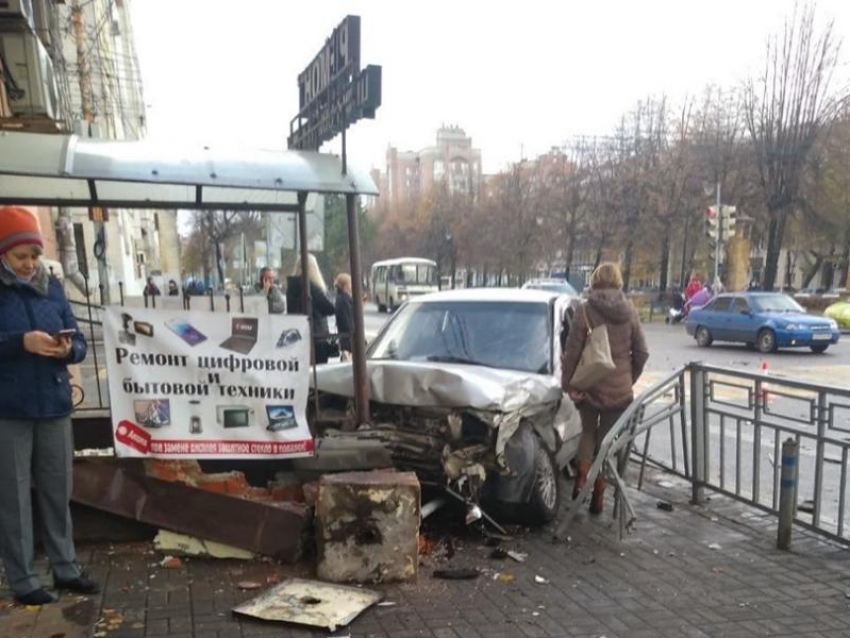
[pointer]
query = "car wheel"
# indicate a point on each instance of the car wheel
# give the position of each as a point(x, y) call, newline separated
point(703, 337)
point(546, 495)
point(382, 307)
point(391, 306)
point(820, 348)
point(766, 341)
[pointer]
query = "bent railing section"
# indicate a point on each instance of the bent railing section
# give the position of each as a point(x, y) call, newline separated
point(722, 429)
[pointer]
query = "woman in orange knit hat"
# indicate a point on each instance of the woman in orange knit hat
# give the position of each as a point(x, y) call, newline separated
point(39, 337)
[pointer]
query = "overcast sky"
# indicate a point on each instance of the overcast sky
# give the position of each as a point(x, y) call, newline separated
point(519, 77)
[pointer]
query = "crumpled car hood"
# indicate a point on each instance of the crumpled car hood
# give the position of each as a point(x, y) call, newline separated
point(443, 385)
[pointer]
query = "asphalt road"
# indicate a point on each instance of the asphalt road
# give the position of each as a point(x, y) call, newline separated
point(670, 346)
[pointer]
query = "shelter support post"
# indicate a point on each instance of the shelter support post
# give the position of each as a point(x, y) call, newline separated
point(306, 297)
point(358, 339)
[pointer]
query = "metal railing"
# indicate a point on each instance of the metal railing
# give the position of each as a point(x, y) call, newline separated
point(722, 430)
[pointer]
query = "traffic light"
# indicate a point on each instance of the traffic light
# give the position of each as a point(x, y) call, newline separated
point(711, 222)
point(727, 221)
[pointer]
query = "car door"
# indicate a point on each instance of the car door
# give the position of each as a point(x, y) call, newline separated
point(716, 314)
point(740, 321)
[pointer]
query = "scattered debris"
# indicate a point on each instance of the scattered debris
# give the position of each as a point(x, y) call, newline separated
point(540, 580)
point(517, 556)
point(312, 603)
point(456, 574)
point(171, 562)
point(667, 506)
point(387, 603)
point(499, 554)
point(184, 545)
point(492, 536)
point(274, 530)
point(504, 578)
point(715, 546)
point(427, 545)
point(248, 585)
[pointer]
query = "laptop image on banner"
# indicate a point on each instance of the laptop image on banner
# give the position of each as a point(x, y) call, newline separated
point(243, 335)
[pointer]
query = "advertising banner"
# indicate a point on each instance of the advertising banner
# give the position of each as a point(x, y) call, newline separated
point(204, 385)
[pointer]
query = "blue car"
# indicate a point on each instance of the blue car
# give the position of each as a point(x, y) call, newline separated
point(763, 320)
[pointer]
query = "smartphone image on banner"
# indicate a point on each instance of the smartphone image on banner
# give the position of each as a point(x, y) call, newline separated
point(185, 331)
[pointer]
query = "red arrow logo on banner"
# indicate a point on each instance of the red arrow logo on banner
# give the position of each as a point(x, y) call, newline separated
point(133, 436)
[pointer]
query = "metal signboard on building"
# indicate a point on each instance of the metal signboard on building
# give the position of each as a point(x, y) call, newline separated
point(333, 91)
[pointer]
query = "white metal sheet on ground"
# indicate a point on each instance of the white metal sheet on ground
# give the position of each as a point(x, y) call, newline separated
point(310, 602)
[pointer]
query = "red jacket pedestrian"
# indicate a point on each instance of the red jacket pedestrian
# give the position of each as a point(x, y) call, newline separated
point(694, 286)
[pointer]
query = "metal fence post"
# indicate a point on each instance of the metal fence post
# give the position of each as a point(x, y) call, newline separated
point(698, 431)
point(787, 492)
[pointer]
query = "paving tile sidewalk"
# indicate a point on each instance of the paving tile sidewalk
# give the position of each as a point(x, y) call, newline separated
point(664, 580)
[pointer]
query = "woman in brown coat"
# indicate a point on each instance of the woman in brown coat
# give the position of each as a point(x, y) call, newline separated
point(602, 405)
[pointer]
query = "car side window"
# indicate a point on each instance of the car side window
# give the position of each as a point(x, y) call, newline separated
point(740, 306)
point(721, 304)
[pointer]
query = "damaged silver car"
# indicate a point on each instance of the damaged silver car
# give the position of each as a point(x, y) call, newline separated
point(465, 390)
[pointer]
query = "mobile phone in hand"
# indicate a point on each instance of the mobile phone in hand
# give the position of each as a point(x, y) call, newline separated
point(65, 334)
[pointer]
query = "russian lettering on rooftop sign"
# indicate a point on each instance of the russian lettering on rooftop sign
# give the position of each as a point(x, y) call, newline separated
point(207, 385)
point(333, 92)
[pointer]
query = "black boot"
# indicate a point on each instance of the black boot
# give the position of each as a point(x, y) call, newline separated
point(36, 597)
point(79, 585)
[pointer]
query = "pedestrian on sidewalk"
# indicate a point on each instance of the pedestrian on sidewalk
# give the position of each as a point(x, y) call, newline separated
point(39, 337)
point(321, 306)
point(344, 310)
point(266, 286)
point(601, 405)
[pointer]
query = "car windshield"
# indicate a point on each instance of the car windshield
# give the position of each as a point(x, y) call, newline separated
point(775, 303)
point(497, 334)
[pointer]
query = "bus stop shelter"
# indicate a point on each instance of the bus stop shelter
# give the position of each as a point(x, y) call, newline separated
point(73, 171)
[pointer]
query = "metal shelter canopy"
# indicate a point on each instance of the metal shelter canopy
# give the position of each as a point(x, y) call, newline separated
point(68, 170)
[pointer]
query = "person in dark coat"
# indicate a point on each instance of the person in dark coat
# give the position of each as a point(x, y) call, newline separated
point(344, 310)
point(39, 338)
point(322, 308)
point(601, 405)
point(151, 289)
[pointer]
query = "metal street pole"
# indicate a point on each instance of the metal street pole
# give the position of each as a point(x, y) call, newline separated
point(719, 238)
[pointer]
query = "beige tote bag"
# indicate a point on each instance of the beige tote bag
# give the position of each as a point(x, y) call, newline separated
point(595, 362)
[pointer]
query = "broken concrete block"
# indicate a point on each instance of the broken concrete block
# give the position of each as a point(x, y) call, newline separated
point(183, 545)
point(367, 527)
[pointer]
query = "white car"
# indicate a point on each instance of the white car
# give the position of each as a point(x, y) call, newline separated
point(465, 390)
point(559, 286)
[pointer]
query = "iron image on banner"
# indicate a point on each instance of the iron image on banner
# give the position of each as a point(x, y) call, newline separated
point(205, 385)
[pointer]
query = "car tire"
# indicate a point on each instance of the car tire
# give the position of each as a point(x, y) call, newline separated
point(766, 341)
point(703, 337)
point(820, 348)
point(545, 499)
point(391, 306)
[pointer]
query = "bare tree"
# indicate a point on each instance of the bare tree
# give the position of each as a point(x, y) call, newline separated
point(786, 108)
point(217, 227)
